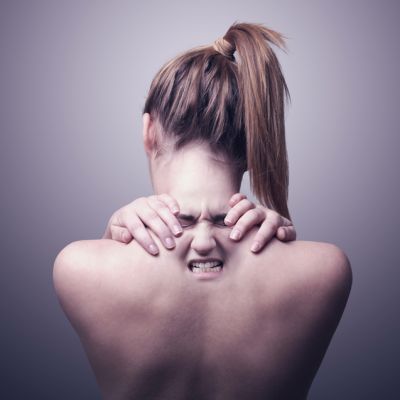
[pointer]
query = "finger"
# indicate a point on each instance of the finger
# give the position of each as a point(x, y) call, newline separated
point(236, 198)
point(238, 210)
point(152, 220)
point(170, 202)
point(286, 233)
point(245, 222)
point(107, 233)
point(286, 222)
point(141, 235)
point(120, 234)
point(267, 230)
point(167, 217)
point(281, 234)
point(114, 221)
point(292, 233)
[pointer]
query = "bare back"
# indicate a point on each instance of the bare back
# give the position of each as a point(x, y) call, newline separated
point(151, 330)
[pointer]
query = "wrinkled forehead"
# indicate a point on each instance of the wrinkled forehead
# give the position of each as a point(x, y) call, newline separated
point(204, 204)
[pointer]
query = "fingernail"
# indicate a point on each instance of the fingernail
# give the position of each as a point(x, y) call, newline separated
point(153, 249)
point(255, 246)
point(235, 234)
point(169, 242)
point(175, 210)
point(228, 221)
point(176, 229)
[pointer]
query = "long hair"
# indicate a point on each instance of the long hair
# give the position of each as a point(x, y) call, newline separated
point(231, 95)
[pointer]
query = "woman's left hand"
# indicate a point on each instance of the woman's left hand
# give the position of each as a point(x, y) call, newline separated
point(244, 214)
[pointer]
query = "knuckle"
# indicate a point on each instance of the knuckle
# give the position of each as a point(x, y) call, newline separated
point(168, 201)
point(140, 200)
point(135, 225)
point(114, 218)
point(276, 219)
point(246, 219)
point(154, 201)
point(162, 230)
point(113, 232)
point(149, 214)
point(158, 226)
point(237, 197)
point(163, 209)
point(142, 235)
point(273, 224)
point(253, 213)
point(160, 207)
point(260, 212)
point(246, 204)
point(119, 218)
point(164, 197)
point(273, 214)
point(246, 200)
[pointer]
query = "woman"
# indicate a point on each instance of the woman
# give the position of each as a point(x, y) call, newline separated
point(210, 319)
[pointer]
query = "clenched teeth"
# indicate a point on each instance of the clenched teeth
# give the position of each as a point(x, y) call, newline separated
point(210, 266)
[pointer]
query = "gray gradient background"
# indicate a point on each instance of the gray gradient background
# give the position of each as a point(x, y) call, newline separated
point(74, 76)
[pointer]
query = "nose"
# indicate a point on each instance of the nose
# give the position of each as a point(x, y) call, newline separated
point(203, 241)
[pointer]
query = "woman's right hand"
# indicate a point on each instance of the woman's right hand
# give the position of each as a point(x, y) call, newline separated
point(156, 212)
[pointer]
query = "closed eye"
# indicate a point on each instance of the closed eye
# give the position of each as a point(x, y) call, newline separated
point(220, 220)
point(186, 220)
point(189, 220)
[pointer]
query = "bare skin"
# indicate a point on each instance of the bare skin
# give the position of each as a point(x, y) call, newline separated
point(152, 329)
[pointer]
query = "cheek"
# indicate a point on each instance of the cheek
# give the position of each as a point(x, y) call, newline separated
point(229, 247)
point(182, 246)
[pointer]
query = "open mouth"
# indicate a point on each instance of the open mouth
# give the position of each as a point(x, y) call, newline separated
point(201, 267)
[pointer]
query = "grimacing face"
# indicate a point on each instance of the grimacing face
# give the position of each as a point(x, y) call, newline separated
point(205, 235)
point(202, 184)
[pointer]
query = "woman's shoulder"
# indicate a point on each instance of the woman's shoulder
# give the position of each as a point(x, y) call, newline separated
point(83, 253)
point(326, 260)
point(78, 269)
point(322, 270)
point(80, 256)
point(85, 247)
